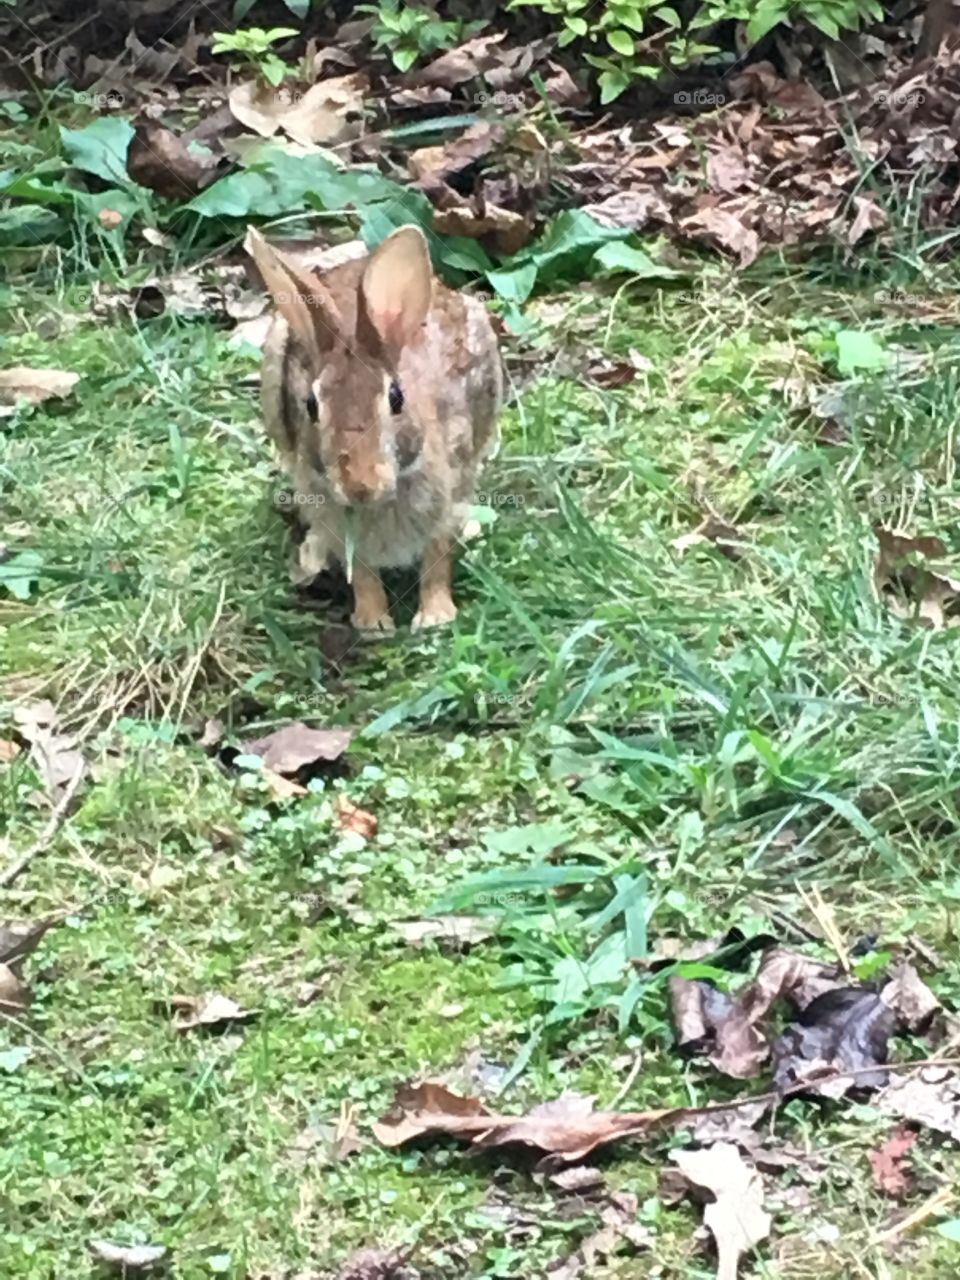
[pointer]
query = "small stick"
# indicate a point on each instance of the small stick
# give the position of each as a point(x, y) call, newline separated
point(625, 1087)
point(824, 917)
point(53, 826)
point(940, 1200)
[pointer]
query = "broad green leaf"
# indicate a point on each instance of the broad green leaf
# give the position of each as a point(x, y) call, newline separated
point(617, 256)
point(21, 573)
point(13, 1059)
point(764, 20)
point(100, 148)
point(299, 8)
point(612, 84)
point(577, 25)
point(514, 285)
point(570, 241)
point(858, 350)
point(403, 59)
point(622, 42)
point(950, 1230)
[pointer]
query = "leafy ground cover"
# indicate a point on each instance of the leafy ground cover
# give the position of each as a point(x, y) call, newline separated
point(729, 720)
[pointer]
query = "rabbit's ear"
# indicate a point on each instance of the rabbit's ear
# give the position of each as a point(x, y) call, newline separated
point(301, 299)
point(396, 288)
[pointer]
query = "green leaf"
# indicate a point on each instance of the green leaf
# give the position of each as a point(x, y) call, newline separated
point(13, 1059)
point(858, 350)
point(514, 285)
point(403, 59)
point(577, 25)
point(299, 8)
point(241, 8)
point(100, 148)
point(950, 1230)
point(535, 837)
point(668, 15)
point(612, 84)
point(21, 573)
point(617, 256)
point(622, 42)
point(764, 20)
point(569, 243)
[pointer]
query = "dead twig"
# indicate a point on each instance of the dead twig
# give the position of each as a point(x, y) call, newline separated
point(17, 868)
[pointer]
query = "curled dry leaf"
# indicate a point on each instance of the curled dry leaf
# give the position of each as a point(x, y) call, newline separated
point(297, 746)
point(474, 144)
point(929, 1096)
point(212, 1010)
point(888, 1160)
point(325, 114)
point(907, 582)
point(352, 818)
point(735, 1216)
point(282, 788)
point(172, 166)
point(568, 1127)
point(506, 231)
point(456, 66)
point(34, 385)
point(128, 1258)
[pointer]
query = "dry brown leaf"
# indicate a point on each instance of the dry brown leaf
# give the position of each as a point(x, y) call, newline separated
point(377, 1264)
point(325, 114)
point(633, 209)
point(618, 1218)
point(352, 818)
point(282, 788)
point(869, 217)
point(456, 66)
point(14, 995)
point(460, 931)
point(507, 231)
point(128, 1258)
point(213, 731)
point(9, 750)
point(474, 144)
point(568, 1127)
point(908, 584)
point(210, 1010)
point(35, 385)
point(561, 88)
point(735, 1216)
point(172, 166)
point(426, 96)
point(929, 1096)
point(726, 229)
point(887, 1162)
point(727, 170)
point(56, 755)
point(296, 746)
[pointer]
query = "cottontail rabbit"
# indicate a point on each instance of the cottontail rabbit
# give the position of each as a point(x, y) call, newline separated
point(380, 388)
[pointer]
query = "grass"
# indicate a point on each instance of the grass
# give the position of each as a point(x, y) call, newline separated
point(603, 697)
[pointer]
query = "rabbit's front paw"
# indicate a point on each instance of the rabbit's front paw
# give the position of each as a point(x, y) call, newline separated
point(372, 625)
point(371, 610)
point(435, 612)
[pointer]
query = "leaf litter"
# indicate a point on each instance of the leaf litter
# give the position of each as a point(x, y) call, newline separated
point(734, 1214)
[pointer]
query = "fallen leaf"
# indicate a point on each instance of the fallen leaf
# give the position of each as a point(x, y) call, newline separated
point(735, 1216)
point(426, 96)
point(468, 62)
point(618, 1218)
point(128, 1257)
point(929, 1096)
point(472, 145)
point(567, 1127)
point(727, 170)
point(579, 1177)
point(14, 995)
point(561, 88)
point(35, 385)
point(847, 1029)
point(325, 114)
point(869, 217)
point(506, 231)
point(887, 1162)
point(9, 750)
point(174, 167)
point(282, 788)
point(726, 1028)
point(295, 746)
point(727, 230)
point(56, 755)
point(633, 209)
point(460, 931)
point(210, 1010)
point(908, 583)
point(351, 818)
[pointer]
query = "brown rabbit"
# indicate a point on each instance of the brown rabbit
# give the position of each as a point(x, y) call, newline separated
point(380, 388)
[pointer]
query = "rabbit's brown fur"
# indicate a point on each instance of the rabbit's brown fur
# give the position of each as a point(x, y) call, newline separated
point(359, 339)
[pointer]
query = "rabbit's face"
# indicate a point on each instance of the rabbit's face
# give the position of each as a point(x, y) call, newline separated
point(352, 330)
point(361, 438)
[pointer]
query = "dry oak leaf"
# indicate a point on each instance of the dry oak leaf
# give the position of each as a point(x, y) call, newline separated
point(736, 1216)
point(456, 66)
point(350, 817)
point(567, 1127)
point(324, 114)
point(211, 1010)
point(726, 229)
point(295, 745)
point(282, 788)
point(35, 385)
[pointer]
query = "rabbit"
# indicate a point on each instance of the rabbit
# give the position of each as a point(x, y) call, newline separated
point(380, 388)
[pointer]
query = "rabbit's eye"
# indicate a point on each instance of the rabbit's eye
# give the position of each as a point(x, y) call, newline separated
point(313, 411)
point(396, 397)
